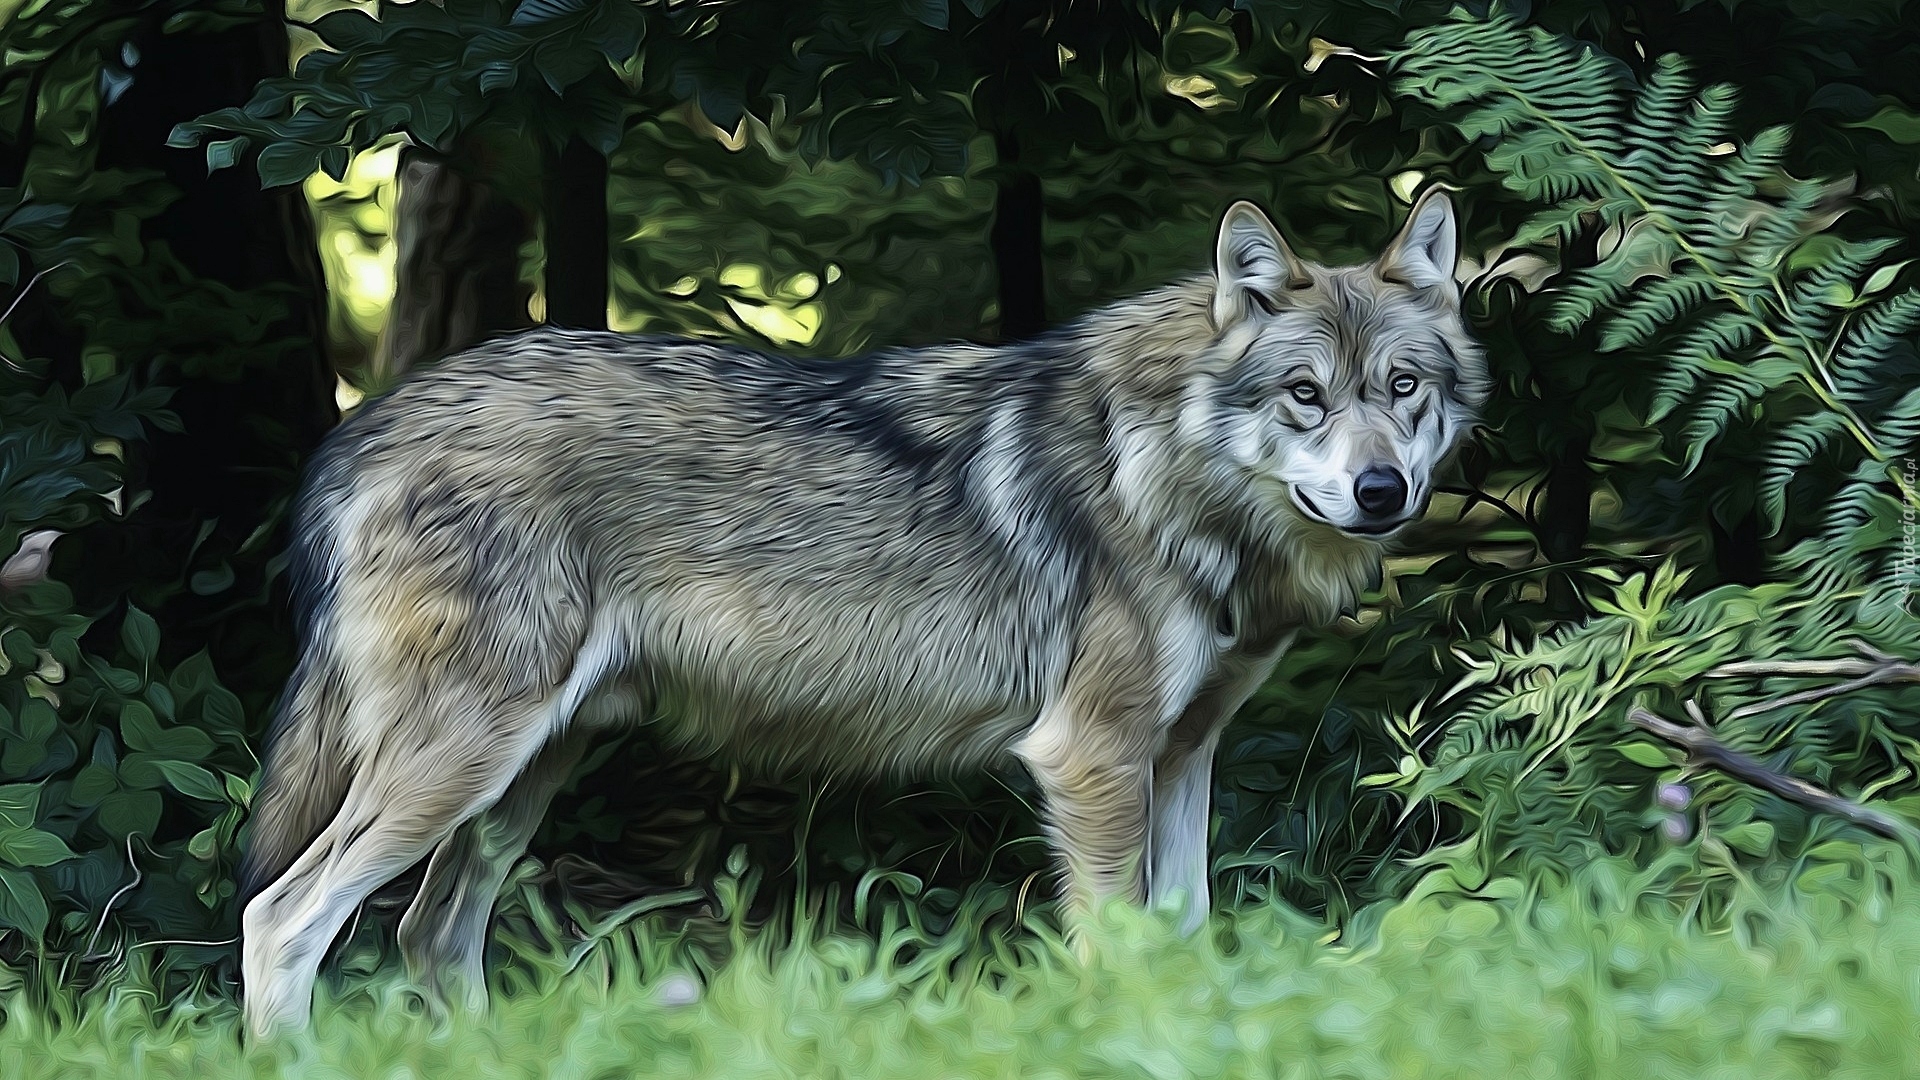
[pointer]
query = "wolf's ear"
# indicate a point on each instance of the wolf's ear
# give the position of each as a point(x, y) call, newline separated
point(1428, 247)
point(1251, 263)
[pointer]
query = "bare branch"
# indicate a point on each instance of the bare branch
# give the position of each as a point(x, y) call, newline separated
point(1704, 749)
point(1814, 669)
point(24, 290)
point(1873, 668)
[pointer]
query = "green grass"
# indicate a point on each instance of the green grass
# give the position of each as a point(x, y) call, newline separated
point(1585, 979)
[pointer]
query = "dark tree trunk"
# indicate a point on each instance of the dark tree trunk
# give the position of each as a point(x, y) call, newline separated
point(249, 411)
point(457, 271)
point(1566, 517)
point(1564, 520)
point(576, 236)
point(1738, 553)
point(224, 227)
point(1019, 217)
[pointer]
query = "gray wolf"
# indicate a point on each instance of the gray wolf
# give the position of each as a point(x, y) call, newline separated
point(1084, 550)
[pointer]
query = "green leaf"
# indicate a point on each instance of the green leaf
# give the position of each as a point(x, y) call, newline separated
point(1900, 125)
point(225, 153)
point(191, 677)
point(17, 645)
point(140, 771)
point(930, 12)
point(209, 582)
point(91, 784)
point(1754, 838)
point(537, 11)
point(333, 161)
point(22, 906)
point(37, 215)
point(138, 728)
point(142, 732)
point(160, 698)
point(286, 163)
point(204, 845)
point(221, 711)
point(32, 847)
point(121, 680)
point(130, 813)
point(140, 634)
point(192, 781)
point(19, 806)
point(1646, 753)
point(1882, 278)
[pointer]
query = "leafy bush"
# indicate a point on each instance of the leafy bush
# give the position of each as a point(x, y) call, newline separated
point(1776, 360)
point(124, 759)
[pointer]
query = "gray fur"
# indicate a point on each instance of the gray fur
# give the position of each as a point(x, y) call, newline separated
point(1084, 551)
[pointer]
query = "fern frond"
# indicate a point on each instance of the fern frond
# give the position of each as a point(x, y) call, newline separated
point(1713, 345)
point(1740, 325)
point(1795, 447)
point(1875, 333)
point(1655, 307)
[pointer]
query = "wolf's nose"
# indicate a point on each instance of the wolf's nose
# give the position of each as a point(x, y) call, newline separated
point(1380, 491)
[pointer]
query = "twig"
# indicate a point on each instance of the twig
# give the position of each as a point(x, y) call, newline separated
point(24, 290)
point(1872, 669)
point(112, 900)
point(1704, 749)
point(1810, 669)
point(186, 941)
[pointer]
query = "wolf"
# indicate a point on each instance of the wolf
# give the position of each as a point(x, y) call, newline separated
point(1085, 551)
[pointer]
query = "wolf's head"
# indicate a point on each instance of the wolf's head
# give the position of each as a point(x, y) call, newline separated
point(1346, 386)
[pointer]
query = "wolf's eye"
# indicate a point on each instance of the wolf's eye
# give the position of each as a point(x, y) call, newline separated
point(1403, 385)
point(1305, 393)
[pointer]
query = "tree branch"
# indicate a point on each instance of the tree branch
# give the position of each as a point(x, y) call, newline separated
point(1871, 669)
point(1704, 749)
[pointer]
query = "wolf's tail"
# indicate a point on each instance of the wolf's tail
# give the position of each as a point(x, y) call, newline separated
point(305, 778)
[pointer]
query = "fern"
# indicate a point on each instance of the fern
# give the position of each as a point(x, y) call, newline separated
point(1720, 273)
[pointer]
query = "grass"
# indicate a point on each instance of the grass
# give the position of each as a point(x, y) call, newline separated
point(1589, 978)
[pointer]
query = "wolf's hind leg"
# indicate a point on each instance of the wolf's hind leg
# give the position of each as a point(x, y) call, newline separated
point(406, 798)
point(443, 935)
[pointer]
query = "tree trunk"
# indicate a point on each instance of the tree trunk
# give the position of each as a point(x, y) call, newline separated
point(457, 271)
point(224, 227)
point(576, 236)
point(1566, 519)
point(1738, 553)
point(1017, 240)
point(250, 411)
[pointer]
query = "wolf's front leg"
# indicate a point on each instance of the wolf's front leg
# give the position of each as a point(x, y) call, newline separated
point(1092, 751)
point(1183, 786)
point(1097, 786)
point(1177, 852)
